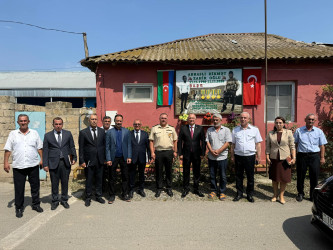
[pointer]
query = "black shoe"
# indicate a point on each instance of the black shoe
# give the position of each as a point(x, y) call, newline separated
point(126, 198)
point(54, 205)
point(87, 202)
point(158, 193)
point(112, 198)
point(237, 198)
point(250, 198)
point(100, 200)
point(65, 204)
point(130, 194)
point(169, 192)
point(19, 213)
point(37, 209)
point(141, 192)
point(198, 193)
point(299, 197)
point(184, 193)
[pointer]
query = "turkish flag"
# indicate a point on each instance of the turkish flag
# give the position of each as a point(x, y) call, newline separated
point(251, 86)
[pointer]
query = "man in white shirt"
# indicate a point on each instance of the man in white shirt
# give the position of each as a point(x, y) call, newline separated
point(184, 90)
point(25, 145)
point(245, 151)
point(106, 123)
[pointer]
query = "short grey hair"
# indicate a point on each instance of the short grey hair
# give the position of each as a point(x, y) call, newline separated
point(218, 116)
point(248, 114)
point(310, 114)
point(192, 114)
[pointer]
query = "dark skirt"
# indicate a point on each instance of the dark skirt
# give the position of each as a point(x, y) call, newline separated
point(280, 171)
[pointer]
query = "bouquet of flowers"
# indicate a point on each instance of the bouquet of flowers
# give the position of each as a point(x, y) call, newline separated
point(208, 117)
point(183, 117)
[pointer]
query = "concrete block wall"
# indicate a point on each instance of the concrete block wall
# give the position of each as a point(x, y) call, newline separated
point(74, 119)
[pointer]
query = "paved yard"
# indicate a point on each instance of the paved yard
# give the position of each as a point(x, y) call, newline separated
point(164, 223)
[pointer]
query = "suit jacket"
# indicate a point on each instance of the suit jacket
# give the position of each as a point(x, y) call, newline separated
point(186, 143)
point(111, 144)
point(286, 145)
point(140, 149)
point(88, 150)
point(52, 150)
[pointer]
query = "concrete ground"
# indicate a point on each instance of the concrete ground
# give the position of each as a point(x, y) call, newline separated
point(158, 224)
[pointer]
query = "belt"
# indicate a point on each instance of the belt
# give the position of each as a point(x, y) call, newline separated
point(309, 153)
point(163, 150)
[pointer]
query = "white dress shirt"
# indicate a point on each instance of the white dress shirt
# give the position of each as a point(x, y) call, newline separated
point(24, 148)
point(92, 132)
point(245, 140)
point(56, 134)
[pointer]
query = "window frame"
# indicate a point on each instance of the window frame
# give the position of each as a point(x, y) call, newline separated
point(141, 85)
point(293, 104)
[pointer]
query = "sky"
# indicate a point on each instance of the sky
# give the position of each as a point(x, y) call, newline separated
point(116, 25)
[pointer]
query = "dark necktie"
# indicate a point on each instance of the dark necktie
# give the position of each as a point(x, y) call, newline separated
point(95, 136)
point(59, 138)
point(59, 143)
point(137, 136)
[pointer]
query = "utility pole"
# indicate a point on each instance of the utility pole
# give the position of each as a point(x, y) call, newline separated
point(266, 88)
point(86, 51)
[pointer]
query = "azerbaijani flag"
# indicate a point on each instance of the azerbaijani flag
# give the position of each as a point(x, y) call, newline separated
point(165, 87)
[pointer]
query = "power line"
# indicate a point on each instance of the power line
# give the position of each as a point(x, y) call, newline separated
point(70, 32)
point(39, 27)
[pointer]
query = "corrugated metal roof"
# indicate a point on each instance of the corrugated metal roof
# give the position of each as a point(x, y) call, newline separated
point(46, 80)
point(238, 46)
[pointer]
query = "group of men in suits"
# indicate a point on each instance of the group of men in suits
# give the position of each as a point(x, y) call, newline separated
point(110, 148)
point(102, 150)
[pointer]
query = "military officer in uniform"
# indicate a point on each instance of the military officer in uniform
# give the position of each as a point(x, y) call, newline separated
point(230, 93)
point(163, 148)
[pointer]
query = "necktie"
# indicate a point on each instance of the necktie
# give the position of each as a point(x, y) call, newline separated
point(137, 136)
point(191, 132)
point(59, 139)
point(59, 143)
point(95, 136)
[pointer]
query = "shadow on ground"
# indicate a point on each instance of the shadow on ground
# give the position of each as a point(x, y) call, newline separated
point(305, 236)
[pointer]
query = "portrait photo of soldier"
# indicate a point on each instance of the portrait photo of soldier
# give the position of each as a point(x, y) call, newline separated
point(229, 96)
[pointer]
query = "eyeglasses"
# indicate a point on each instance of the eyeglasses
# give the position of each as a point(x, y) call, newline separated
point(136, 124)
point(311, 119)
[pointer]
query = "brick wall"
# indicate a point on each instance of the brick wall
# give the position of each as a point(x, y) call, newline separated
point(74, 120)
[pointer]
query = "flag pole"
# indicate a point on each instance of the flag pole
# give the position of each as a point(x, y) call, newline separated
point(266, 89)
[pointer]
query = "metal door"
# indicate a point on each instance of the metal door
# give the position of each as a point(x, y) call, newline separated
point(37, 122)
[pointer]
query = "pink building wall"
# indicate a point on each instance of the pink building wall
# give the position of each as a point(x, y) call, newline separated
point(308, 78)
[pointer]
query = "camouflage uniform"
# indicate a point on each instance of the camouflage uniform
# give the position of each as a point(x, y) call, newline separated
point(230, 93)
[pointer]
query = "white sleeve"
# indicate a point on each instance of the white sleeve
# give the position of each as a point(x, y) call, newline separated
point(9, 143)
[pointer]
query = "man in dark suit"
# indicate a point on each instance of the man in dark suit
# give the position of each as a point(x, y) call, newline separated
point(58, 156)
point(92, 157)
point(191, 148)
point(118, 152)
point(140, 147)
